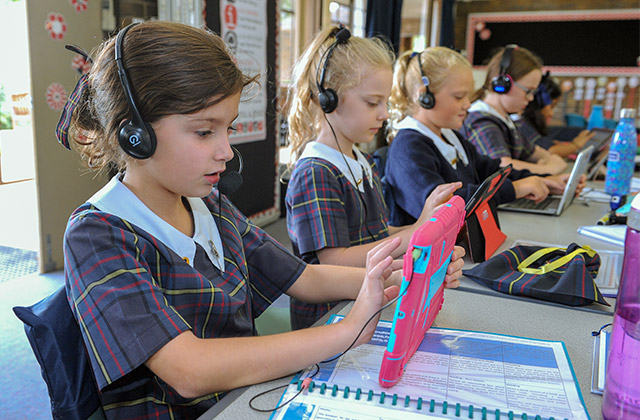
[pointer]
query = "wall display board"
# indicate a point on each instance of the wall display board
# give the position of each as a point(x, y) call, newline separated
point(596, 42)
point(249, 28)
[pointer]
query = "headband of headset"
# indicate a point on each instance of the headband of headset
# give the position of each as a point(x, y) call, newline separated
point(136, 137)
point(327, 97)
point(426, 100)
point(502, 82)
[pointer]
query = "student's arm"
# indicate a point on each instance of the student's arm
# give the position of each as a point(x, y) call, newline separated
point(542, 162)
point(566, 148)
point(356, 255)
point(195, 366)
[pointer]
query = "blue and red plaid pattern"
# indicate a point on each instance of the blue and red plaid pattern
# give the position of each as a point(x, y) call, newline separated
point(492, 137)
point(131, 295)
point(572, 283)
point(62, 129)
point(325, 210)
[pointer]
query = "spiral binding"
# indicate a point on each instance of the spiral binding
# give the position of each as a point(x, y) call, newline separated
point(429, 406)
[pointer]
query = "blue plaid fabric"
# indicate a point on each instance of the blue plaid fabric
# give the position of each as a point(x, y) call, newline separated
point(62, 128)
point(492, 137)
point(325, 210)
point(131, 295)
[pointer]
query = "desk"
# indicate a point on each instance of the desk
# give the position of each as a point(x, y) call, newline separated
point(470, 311)
point(557, 230)
point(476, 307)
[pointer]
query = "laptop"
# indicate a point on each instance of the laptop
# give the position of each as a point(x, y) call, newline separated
point(554, 205)
point(601, 139)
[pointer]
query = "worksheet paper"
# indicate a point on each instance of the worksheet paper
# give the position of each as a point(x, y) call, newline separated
point(458, 367)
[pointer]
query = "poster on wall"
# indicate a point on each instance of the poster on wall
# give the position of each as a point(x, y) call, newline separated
point(243, 26)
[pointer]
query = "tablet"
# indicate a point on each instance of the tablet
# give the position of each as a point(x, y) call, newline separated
point(422, 290)
point(487, 189)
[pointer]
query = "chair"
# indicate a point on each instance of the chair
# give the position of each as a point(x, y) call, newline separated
point(57, 344)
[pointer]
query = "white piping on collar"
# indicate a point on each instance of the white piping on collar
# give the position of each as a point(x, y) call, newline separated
point(115, 198)
point(314, 149)
point(450, 151)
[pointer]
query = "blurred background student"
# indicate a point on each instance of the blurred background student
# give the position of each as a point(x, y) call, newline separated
point(513, 76)
point(534, 122)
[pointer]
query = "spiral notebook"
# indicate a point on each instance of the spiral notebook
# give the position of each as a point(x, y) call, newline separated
point(454, 374)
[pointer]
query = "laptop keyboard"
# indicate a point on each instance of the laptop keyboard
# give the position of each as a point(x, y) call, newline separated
point(524, 203)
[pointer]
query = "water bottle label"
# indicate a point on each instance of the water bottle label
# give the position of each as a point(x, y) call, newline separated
point(614, 156)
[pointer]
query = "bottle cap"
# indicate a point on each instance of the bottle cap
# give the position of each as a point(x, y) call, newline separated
point(627, 113)
point(633, 219)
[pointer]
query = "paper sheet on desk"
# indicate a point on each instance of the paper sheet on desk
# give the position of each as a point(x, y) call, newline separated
point(613, 234)
point(599, 196)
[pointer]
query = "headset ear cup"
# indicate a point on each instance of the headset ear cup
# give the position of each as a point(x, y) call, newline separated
point(501, 84)
point(138, 142)
point(427, 100)
point(328, 100)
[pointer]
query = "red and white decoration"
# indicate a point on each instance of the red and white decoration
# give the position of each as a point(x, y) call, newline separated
point(55, 25)
point(80, 64)
point(79, 5)
point(56, 96)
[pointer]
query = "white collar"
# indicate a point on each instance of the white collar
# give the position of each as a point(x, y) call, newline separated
point(314, 149)
point(115, 198)
point(450, 151)
point(482, 106)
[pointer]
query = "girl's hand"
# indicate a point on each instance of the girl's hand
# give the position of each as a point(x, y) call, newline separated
point(440, 195)
point(582, 138)
point(532, 188)
point(372, 294)
point(454, 271)
point(556, 183)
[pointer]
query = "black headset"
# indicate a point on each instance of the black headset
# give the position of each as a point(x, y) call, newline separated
point(427, 100)
point(136, 137)
point(327, 97)
point(501, 84)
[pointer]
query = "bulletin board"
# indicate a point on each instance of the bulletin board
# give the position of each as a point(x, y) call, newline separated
point(258, 197)
point(596, 42)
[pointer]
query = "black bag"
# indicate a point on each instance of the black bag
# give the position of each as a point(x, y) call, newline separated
point(562, 275)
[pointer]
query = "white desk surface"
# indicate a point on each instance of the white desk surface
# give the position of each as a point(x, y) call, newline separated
point(476, 307)
point(470, 311)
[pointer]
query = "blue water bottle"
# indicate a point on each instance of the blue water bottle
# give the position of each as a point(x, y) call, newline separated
point(596, 118)
point(621, 162)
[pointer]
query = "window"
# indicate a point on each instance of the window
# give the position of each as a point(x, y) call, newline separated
point(349, 12)
point(286, 46)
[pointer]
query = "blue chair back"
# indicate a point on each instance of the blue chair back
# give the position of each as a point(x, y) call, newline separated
point(57, 344)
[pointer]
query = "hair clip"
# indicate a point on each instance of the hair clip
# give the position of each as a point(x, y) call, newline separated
point(78, 50)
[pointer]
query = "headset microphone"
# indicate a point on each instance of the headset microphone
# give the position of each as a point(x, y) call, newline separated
point(231, 180)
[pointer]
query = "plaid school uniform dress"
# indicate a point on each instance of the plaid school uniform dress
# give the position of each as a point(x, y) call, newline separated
point(132, 293)
point(326, 210)
point(493, 135)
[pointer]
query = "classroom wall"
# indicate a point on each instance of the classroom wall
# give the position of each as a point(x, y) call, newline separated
point(62, 182)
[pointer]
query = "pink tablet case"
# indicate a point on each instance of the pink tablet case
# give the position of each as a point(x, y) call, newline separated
point(425, 266)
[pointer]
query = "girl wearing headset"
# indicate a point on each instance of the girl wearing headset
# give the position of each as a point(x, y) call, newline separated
point(535, 120)
point(335, 209)
point(513, 75)
point(429, 101)
point(163, 274)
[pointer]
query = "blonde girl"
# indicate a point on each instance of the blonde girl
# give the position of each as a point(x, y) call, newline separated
point(429, 102)
point(335, 208)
